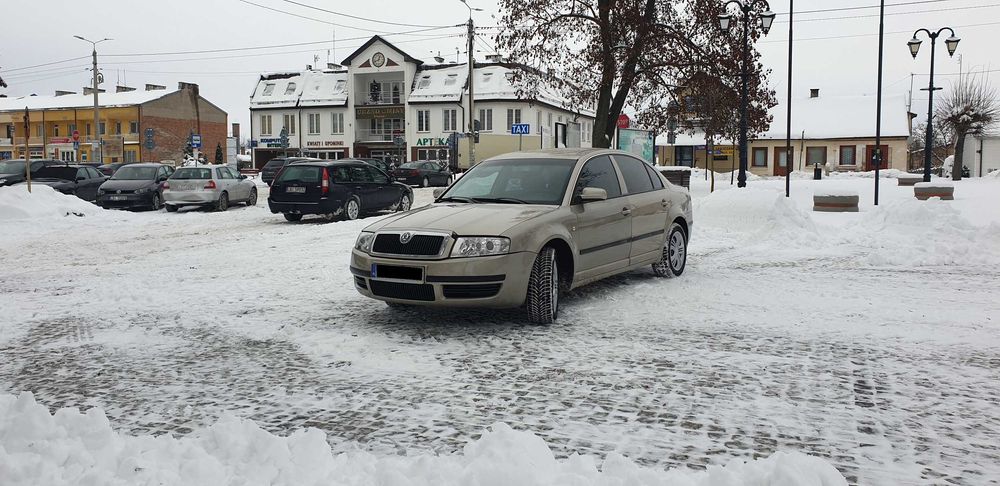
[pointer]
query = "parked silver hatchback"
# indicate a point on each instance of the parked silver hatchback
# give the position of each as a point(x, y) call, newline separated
point(207, 185)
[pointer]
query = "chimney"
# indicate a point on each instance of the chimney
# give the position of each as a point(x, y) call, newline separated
point(123, 89)
point(494, 58)
point(236, 131)
point(60, 92)
point(190, 86)
point(309, 67)
point(814, 93)
point(154, 87)
point(333, 66)
point(88, 90)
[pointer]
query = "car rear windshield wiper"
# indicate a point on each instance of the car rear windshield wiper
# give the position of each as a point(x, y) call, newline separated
point(508, 200)
point(456, 198)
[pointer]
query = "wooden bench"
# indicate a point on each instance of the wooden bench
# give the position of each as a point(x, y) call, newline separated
point(836, 201)
point(909, 179)
point(677, 175)
point(926, 190)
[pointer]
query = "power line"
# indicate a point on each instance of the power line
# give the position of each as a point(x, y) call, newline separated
point(46, 64)
point(951, 9)
point(866, 35)
point(357, 17)
point(314, 19)
point(844, 9)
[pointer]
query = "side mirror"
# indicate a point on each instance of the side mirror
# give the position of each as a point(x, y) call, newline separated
point(438, 192)
point(242, 177)
point(593, 194)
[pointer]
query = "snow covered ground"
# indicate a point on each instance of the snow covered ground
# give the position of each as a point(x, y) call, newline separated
point(868, 340)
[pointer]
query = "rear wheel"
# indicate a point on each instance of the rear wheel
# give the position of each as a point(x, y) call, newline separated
point(171, 208)
point(223, 203)
point(674, 257)
point(293, 217)
point(542, 301)
point(352, 209)
point(252, 199)
point(425, 183)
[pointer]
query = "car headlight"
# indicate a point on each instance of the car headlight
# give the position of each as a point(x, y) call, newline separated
point(480, 246)
point(364, 242)
point(100, 192)
point(141, 190)
point(2, 181)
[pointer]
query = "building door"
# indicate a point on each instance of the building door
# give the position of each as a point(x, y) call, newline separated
point(781, 160)
point(684, 155)
point(870, 157)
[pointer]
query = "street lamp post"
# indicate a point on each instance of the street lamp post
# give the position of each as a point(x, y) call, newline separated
point(97, 117)
point(747, 9)
point(914, 45)
point(472, 65)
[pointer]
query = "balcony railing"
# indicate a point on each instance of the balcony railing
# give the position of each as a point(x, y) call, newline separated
point(377, 135)
point(381, 98)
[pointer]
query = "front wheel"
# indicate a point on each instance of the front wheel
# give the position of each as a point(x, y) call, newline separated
point(403, 204)
point(542, 301)
point(223, 203)
point(252, 199)
point(171, 208)
point(156, 202)
point(674, 257)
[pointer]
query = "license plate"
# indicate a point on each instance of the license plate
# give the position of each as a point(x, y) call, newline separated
point(374, 270)
point(117, 198)
point(295, 189)
point(400, 178)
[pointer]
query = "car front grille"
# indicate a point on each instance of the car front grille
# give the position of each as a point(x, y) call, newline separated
point(480, 291)
point(406, 291)
point(419, 245)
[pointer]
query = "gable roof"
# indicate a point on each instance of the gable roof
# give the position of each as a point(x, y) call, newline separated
point(127, 98)
point(305, 88)
point(374, 39)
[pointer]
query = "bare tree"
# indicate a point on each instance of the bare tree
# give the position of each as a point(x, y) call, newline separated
point(609, 54)
point(971, 107)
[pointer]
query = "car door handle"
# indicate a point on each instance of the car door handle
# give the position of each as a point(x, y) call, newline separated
point(665, 203)
point(626, 211)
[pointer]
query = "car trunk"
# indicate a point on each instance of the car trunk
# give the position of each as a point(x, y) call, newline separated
point(298, 183)
point(188, 179)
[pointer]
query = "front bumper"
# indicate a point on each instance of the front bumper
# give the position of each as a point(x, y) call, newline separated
point(180, 198)
point(493, 282)
point(125, 201)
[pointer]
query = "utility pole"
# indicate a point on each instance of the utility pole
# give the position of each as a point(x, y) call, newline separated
point(27, 154)
point(97, 115)
point(472, 66)
point(878, 102)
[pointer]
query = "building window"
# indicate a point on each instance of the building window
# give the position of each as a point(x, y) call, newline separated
point(103, 128)
point(314, 124)
point(513, 116)
point(450, 120)
point(133, 127)
point(118, 128)
point(760, 157)
point(423, 120)
point(486, 120)
point(548, 120)
point(72, 128)
point(131, 156)
point(55, 130)
point(265, 125)
point(337, 122)
point(816, 155)
point(268, 89)
point(848, 155)
point(451, 80)
point(290, 124)
point(441, 154)
point(40, 130)
point(88, 129)
point(290, 89)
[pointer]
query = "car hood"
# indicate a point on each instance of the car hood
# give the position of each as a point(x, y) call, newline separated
point(124, 185)
point(56, 183)
point(463, 219)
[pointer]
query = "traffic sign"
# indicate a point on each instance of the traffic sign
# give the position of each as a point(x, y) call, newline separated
point(76, 136)
point(399, 141)
point(196, 141)
point(624, 121)
point(520, 129)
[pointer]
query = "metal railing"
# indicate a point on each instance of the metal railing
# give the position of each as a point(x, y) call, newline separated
point(381, 98)
point(376, 135)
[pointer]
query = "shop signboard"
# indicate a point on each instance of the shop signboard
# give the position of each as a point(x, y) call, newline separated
point(641, 143)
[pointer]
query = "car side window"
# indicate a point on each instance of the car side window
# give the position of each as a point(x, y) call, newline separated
point(378, 176)
point(94, 173)
point(360, 174)
point(162, 173)
point(222, 173)
point(633, 171)
point(81, 173)
point(341, 174)
point(598, 172)
point(653, 176)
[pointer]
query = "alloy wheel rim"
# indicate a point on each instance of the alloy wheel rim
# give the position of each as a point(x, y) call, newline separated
point(352, 210)
point(405, 205)
point(676, 250)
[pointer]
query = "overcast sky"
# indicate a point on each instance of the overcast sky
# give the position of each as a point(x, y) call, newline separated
point(838, 56)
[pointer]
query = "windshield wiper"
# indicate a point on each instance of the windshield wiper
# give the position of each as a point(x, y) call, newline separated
point(508, 200)
point(456, 198)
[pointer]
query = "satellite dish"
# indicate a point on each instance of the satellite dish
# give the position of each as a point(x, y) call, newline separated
point(438, 58)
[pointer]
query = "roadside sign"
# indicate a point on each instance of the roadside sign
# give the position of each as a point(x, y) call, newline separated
point(520, 129)
point(624, 121)
point(399, 141)
point(196, 141)
point(76, 137)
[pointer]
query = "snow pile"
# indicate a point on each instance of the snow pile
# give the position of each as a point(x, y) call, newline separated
point(42, 202)
point(761, 213)
point(76, 448)
point(912, 233)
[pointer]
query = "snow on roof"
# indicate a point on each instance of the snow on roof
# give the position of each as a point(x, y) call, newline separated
point(324, 88)
point(306, 88)
point(438, 85)
point(128, 98)
point(829, 117)
point(277, 90)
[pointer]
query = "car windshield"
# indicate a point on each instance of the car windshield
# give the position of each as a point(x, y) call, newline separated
point(192, 173)
point(411, 165)
point(12, 167)
point(527, 181)
point(299, 173)
point(135, 174)
point(274, 163)
point(56, 172)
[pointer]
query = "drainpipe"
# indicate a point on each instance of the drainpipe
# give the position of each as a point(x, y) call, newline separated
point(980, 152)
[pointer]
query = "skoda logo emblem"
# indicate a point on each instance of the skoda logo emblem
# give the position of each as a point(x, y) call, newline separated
point(405, 237)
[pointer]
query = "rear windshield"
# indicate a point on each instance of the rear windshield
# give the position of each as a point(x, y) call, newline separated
point(192, 173)
point(135, 174)
point(411, 165)
point(57, 172)
point(12, 167)
point(275, 163)
point(299, 173)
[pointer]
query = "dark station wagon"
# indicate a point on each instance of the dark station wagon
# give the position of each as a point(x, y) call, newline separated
point(344, 188)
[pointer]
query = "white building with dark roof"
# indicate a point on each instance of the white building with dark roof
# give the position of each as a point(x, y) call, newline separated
point(385, 103)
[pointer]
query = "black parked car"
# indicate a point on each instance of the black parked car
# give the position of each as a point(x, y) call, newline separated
point(424, 174)
point(110, 169)
point(380, 163)
point(12, 171)
point(346, 187)
point(79, 180)
point(273, 166)
point(135, 186)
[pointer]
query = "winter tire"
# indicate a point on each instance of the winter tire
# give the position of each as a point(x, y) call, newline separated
point(542, 301)
point(425, 183)
point(352, 209)
point(156, 202)
point(252, 199)
point(293, 217)
point(223, 203)
point(171, 208)
point(403, 204)
point(674, 257)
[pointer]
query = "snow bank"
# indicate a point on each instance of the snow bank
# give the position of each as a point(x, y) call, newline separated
point(42, 202)
point(76, 448)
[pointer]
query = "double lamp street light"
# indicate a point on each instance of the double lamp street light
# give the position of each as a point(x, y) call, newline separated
point(748, 13)
point(914, 45)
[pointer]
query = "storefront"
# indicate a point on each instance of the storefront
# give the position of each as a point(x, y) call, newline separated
point(326, 149)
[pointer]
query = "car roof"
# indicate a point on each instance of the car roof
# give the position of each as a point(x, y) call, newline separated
point(146, 164)
point(74, 166)
point(329, 163)
point(559, 153)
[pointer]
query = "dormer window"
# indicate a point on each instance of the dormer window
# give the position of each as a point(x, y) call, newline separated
point(450, 80)
point(487, 77)
point(425, 81)
point(340, 86)
point(268, 89)
point(290, 89)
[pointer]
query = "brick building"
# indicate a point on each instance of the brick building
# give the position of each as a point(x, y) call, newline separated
point(128, 116)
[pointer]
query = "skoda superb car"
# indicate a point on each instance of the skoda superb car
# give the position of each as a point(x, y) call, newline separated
point(520, 229)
